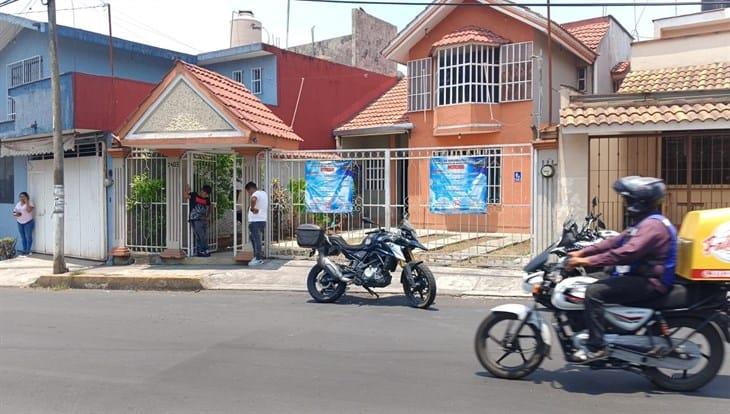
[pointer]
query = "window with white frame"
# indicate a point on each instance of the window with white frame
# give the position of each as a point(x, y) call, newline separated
point(374, 175)
point(256, 81)
point(25, 71)
point(11, 108)
point(583, 79)
point(419, 85)
point(237, 76)
point(468, 74)
point(516, 72)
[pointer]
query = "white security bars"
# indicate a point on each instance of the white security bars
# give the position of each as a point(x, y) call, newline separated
point(419, 85)
point(256, 87)
point(468, 74)
point(25, 71)
point(516, 72)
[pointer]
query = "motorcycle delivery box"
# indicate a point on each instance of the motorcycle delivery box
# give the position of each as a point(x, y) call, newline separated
point(704, 246)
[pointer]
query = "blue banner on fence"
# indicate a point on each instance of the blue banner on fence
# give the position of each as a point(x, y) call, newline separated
point(330, 186)
point(458, 185)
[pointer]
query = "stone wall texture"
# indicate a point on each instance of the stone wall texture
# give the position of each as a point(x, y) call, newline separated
point(361, 49)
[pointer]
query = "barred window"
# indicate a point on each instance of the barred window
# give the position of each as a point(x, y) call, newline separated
point(11, 108)
point(468, 74)
point(25, 71)
point(710, 156)
point(516, 72)
point(237, 76)
point(256, 88)
point(419, 85)
point(583, 79)
point(374, 175)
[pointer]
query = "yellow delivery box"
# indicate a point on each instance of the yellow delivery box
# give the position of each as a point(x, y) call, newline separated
point(704, 246)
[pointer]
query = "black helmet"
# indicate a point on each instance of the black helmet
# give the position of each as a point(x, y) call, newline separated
point(642, 194)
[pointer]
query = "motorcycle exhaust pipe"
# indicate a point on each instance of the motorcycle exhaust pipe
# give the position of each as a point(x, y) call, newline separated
point(332, 268)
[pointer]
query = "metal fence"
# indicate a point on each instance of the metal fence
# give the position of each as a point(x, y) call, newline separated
point(393, 182)
point(146, 201)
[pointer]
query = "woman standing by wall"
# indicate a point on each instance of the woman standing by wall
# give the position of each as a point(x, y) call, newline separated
point(23, 213)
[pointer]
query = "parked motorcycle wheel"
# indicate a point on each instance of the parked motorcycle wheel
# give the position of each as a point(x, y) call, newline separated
point(422, 294)
point(709, 340)
point(323, 287)
point(497, 350)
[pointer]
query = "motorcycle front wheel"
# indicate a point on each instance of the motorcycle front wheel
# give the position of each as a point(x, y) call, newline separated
point(422, 293)
point(505, 351)
point(323, 287)
point(711, 346)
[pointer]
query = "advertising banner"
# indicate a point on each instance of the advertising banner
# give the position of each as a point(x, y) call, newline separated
point(458, 185)
point(330, 186)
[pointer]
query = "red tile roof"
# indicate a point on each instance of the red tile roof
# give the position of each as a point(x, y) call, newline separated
point(683, 78)
point(242, 103)
point(471, 34)
point(590, 32)
point(645, 112)
point(389, 109)
point(621, 67)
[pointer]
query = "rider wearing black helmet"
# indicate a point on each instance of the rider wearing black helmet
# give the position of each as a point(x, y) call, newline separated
point(644, 256)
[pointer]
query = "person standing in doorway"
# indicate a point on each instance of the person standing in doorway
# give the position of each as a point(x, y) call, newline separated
point(257, 211)
point(199, 203)
point(23, 213)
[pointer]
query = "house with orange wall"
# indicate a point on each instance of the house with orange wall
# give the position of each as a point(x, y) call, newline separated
point(478, 84)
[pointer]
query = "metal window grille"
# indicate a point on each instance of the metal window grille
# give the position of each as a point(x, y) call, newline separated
point(582, 79)
point(374, 175)
point(25, 71)
point(11, 108)
point(468, 74)
point(237, 76)
point(89, 147)
point(516, 72)
point(696, 160)
point(419, 84)
point(256, 88)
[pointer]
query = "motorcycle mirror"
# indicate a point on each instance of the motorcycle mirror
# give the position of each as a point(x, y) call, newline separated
point(601, 224)
point(594, 202)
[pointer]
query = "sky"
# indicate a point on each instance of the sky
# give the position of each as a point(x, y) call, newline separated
point(196, 26)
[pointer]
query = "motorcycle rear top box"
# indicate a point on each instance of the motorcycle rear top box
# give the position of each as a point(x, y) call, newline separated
point(704, 246)
point(310, 236)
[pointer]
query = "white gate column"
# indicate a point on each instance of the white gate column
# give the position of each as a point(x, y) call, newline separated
point(119, 174)
point(173, 211)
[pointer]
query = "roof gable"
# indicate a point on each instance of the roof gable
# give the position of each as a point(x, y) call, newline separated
point(388, 110)
point(432, 15)
point(591, 31)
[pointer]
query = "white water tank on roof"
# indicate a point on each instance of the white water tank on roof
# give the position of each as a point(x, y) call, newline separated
point(245, 29)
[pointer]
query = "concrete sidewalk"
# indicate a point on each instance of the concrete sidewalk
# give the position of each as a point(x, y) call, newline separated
point(274, 275)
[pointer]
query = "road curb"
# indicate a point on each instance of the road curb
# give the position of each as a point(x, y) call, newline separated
point(174, 283)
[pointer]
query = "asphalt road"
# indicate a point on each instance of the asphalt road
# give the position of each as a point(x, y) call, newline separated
point(235, 352)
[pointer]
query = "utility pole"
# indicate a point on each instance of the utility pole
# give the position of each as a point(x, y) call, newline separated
point(288, 10)
point(59, 264)
point(550, 64)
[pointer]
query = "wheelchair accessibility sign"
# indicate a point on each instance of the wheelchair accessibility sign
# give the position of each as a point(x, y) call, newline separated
point(518, 176)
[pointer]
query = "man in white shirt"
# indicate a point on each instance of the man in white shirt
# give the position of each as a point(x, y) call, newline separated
point(257, 211)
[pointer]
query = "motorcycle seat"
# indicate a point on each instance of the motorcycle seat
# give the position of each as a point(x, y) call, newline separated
point(684, 296)
point(340, 242)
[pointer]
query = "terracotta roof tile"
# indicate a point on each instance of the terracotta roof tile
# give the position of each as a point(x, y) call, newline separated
point(621, 67)
point(638, 113)
point(242, 103)
point(389, 109)
point(471, 34)
point(590, 32)
point(702, 77)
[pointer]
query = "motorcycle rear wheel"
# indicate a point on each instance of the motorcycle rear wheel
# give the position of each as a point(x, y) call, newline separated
point(683, 381)
point(322, 287)
point(485, 340)
point(423, 293)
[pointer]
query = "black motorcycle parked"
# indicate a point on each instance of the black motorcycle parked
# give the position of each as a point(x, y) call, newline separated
point(370, 263)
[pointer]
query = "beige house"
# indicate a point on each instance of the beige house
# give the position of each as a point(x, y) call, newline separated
point(670, 118)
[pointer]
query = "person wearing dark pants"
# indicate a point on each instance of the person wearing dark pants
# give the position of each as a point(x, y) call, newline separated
point(199, 203)
point(644, 255)
point(23, 213)
point(257, 213)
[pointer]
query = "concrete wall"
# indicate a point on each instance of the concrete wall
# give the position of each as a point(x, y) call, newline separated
point(565, 72)
point(268, 65)
point(33, 108)
point(614, 48)
point(337, 49)
point(8, 225)
point(664, 53)
point(360, 49)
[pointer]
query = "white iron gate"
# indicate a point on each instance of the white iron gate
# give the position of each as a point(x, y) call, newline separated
point(392, 182)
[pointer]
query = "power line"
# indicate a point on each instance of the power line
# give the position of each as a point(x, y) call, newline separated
point(58, 10)
point(8, 2)
point(520, 4)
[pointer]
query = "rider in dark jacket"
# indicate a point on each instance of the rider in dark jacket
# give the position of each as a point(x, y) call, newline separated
point(644, 256)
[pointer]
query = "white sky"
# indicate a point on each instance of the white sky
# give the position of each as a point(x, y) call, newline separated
point(203, 25)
